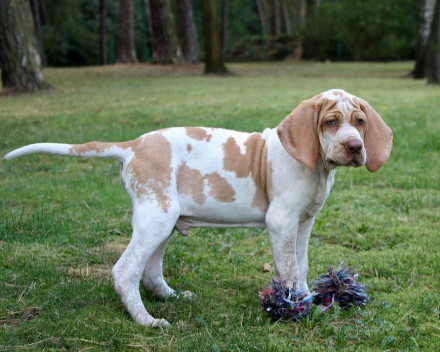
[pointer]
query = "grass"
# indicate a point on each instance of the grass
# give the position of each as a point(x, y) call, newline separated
point(65, 221)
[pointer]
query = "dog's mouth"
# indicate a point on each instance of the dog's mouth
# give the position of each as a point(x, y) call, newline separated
point(332, 164)
point(353, 163)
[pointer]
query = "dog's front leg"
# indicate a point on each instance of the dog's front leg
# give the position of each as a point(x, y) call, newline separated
point(283, 230)
point(302, 246)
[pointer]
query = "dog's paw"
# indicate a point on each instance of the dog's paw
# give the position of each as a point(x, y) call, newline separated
point(189, 295)
point(160, 323)
point(184, 295)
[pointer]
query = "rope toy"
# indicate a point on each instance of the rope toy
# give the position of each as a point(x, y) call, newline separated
point(284, 304)
point(339, 286)
point(336, 287)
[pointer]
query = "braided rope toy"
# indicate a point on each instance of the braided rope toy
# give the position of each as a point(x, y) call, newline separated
point(335, 287)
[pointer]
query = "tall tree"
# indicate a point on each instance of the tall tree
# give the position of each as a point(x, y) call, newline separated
point(212, 37)
point(165, 44)
point(433, 71)
point(187, 31)
point(262, 14)
point(276, 18)
point(425, 13)
point(224, 36)
point(286, 17)
point(103, 31)
point(126, 51)
point(20, 61)
point(39, 16)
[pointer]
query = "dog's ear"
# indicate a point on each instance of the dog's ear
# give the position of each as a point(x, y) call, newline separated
point(298, 132)
point(378, 138)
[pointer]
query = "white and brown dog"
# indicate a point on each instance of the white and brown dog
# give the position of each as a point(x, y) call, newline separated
point(191, 177)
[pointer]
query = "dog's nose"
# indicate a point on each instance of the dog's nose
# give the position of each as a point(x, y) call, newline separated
point(353, 145)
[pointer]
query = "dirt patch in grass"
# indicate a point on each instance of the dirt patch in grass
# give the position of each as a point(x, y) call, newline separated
point(21, 316)
point(101, 271)
point(117, 246)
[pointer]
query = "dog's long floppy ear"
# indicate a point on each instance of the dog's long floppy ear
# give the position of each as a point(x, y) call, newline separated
point(378, 138)
point(298, 132)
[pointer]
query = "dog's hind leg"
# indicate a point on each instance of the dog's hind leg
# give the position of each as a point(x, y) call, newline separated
point(151, 229)
point(153, 279)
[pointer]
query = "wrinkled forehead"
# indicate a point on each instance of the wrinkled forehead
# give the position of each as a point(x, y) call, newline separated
point(341, 100)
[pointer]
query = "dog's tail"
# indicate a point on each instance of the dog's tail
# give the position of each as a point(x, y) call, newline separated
point(120, 151)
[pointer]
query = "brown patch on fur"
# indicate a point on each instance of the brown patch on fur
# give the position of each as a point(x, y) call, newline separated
point(189, 148)
point(220, 188)
point(81, 149)
point(253, 163)
point(150, 167)
point(197, 133)
point(190, 182)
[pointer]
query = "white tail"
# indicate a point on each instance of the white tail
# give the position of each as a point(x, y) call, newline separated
point(91, 149)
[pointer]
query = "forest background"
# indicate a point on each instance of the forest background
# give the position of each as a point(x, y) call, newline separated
point(251, 30)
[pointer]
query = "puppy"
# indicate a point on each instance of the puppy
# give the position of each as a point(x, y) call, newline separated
point(178, 178)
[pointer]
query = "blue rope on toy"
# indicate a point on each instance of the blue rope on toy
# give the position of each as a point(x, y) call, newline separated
point(338, 286)
point(284, 304)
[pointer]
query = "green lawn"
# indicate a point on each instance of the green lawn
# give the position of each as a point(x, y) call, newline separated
point(65, 221)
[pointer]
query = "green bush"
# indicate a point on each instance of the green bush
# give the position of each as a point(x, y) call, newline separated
point(361, 30)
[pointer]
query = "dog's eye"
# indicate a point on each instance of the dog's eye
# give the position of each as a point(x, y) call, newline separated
point(359, 122)
point(331, 122)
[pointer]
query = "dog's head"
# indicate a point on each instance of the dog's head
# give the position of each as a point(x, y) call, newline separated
point(341, 128)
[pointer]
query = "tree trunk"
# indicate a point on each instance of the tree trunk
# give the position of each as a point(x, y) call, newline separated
point(20, 61)
point(225, 10)
point(103, 31)
point(165, 44)
point(262, 14)
point(433, 71)
point(286, 17)
point(35, 6)
point(302, 12)
point(149, 27)
point(426, 10)
point(276, 19)
point(187, 31)
point(212, 37)
point(126, 51)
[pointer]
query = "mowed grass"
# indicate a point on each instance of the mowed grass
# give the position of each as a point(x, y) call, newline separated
point(65, 221)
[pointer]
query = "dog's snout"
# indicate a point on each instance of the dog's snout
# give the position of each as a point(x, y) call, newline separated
point(353, 145)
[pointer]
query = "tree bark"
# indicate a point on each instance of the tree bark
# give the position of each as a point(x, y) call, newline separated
point(165, 44)
point(20, 61)
point(262, 14)
point(212, 37)
point(426, 10)
point(149, 27)
point(225, 10)
point(36, 14)
point(187, 31)
point(276, 18)
point(103, 31)
point(126, 51)
point(286, 17)
point(433, 71)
